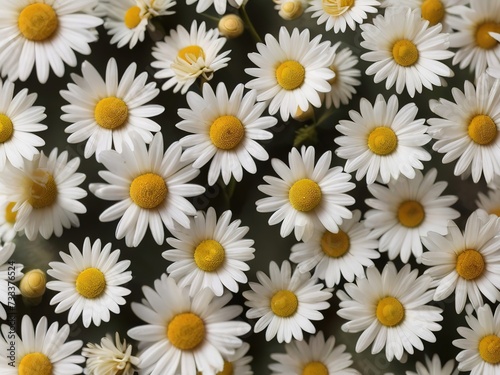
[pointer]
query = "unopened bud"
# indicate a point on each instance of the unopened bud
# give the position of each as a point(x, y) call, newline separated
point(32, 286)
point(231, 26)
point(291, 9)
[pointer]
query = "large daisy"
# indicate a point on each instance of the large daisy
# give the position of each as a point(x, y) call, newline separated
point(10, 272)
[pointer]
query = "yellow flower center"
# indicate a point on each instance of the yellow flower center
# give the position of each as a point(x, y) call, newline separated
point(186, 331)
point(191, 53)
point(335, 245)
point(35, 364)
point(305, 195)
point(43, 190)
point(132, 17)
point(433, 11)
point(411, 214)
point(482, 130)
point(489, 349)
point(6, 128)
point(148, 190)
point(495, 211)
point(284, 303)
point(405, 52)
point(390, 312)
point(470, 264)
point(333, 81)
point(336, 8)
point(483, 38)
point(382, 140)
point(209, 255)
point(290, 74)
point(315, 368)
point(90, 283)
point(111, 113)
point(226, 132)
point(38, 22)
point(10, 216)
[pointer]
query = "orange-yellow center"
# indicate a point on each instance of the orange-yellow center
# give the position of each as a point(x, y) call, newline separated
point(470, 264)
point(489, 349)
point(433, 11)
point(35, 364)
point(38, 22)
point(186, 331)
point(483, 37)
point(405, 52)
point(148, 190)
point(482, 130)
point(284, 303)
point(335, 245)
point(132, 17)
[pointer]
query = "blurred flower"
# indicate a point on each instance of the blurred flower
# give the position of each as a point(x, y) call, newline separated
point(433, 367)
point(7, 220)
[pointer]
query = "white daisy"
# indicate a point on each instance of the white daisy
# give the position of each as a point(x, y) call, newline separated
point(210, 254)
point(466, 263)
point(105, 112)
point(237, 363)
point(220, 5)
point(285, 303)
point(383, 141)
point(335, 255)
point(291, 72)
point(391, 310)
point(88, 282)
point(7, 220)
point(183, 334)
point(44, 33)
point(46, 193)
point(225, 130)
point(184, 56)
point(405, 51)
point(10, 272)
point(406, 210)
point(150, 186)
point(468, 129)
point(434, 367)
point(489, 202)
point(42, 350)
point(314, 357)
point(306, 195)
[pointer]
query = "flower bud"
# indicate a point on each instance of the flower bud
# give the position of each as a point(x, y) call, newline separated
point(231, 26)
point(291, 9)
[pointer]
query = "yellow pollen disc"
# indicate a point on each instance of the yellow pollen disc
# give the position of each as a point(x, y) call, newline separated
point(315, 368)
point(43, 190)
point(335, 245)
point(470, 264)
point(35, 364)
point(495, 211)
point(483, 38)
point(111, 113)
point(411, 214)
point(6, 128)
point(90, 283)
point(132, 17)
point(336, 8)
point(489, 349)
point(390, 312)
point(433, 11)
point(382, 140)
point(148, 190)
point(305, 195)
point(10, 216)
point(226, 132)
point(37, 22)
point(284, 303)
point(186, 331)
point(227, 370)
point(290, 74)
point(191, 53)
point(482, 130)
point(209, 255)
point(404, 52)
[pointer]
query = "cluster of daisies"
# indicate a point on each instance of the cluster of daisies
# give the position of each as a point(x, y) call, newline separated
point(386, 263)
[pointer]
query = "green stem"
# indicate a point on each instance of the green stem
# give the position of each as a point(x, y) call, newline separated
point(249, 24)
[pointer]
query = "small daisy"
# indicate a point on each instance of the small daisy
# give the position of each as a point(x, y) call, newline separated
point(42, 350)
point(335, 255)
point(314, 357)
point(105, 112)
point(405, 51)
point(383, 142)
point(391, 309)
point(466, 263)
point(7, 220)
point(183, 334)
point(45, 34)
point(89, 282)
point(306, 195)
point(10, 273)
point(220, 5)
point(468, 129)
point(285, 302)
point(406, 210)
point(225, 130)
point(291, 72)
point(151, 189)
point(489, 202)
point(46, 193)
point(434, 367)
point(184, 56)
point(210, 254)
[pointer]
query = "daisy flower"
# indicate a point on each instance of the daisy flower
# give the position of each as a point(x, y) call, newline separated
point(306, 195)
point(220, 5)
point(468, 129)
point(316, 356)
point(405, 51)
point(391, 310)
point(335, 255)
point(237, 363)
point(105, 112)
point(489, 202)
point(291, 71)
point(7, 220)
point(89, 282)
point(45, 34)
point(8, 278)
point(225, 130)
point(434, 367)
point(383, 141)
point(285, 303)
point(19, 119)
point(466, 263)
point(42, 350)
point(184, 334)
point(46, 193)
point(184, 56)
point(151, 189)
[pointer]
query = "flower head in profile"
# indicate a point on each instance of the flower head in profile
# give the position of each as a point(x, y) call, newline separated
point(489, 202)
point(10, 273)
